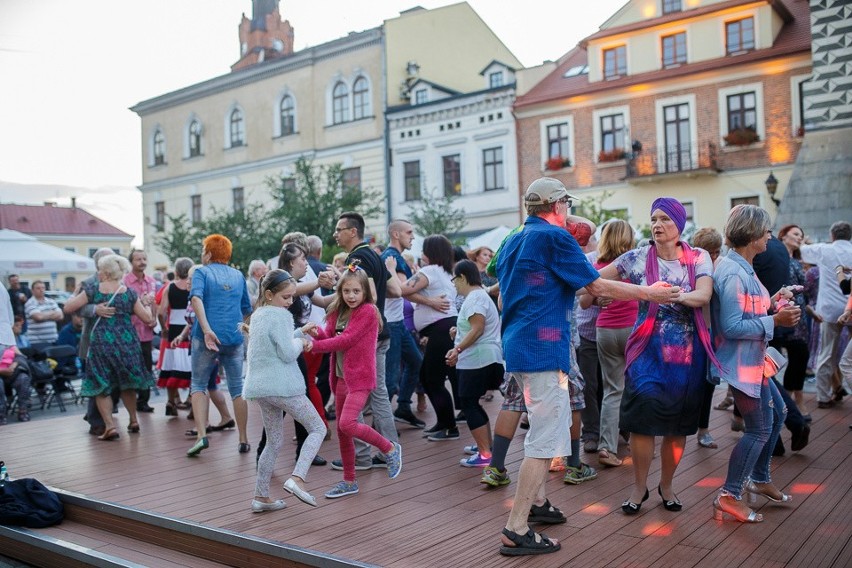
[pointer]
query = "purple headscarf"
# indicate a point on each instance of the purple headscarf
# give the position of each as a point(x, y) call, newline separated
point(673, 208)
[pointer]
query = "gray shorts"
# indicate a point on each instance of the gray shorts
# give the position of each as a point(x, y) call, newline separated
point(548, 403)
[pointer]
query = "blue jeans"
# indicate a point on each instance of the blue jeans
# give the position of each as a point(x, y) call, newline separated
point(751, 456)
point(230, 357)
point(402, 364)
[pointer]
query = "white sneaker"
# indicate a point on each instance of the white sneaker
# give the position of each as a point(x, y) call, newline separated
point(303, 496)
point(261, 507)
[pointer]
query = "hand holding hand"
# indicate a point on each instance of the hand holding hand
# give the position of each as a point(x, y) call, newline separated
point(326, 279)
point(310, 328)
point(663, 293)
point(453, 331)
point(307, 345)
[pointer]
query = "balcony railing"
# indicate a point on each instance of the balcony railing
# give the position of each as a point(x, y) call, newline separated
point(684, 159)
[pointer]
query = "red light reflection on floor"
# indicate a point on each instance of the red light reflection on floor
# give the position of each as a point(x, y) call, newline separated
point(657, 529)
point(806, 488)
point(711, 482)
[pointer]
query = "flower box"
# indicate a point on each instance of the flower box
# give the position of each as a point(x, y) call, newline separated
point(557, 163)
point(613, 155)
point(742, 137)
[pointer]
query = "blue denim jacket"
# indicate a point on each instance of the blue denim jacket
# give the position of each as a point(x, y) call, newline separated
point(741, 329)
point(223, 292)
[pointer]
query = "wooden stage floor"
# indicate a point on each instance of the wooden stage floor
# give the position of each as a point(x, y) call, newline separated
point(438, 514)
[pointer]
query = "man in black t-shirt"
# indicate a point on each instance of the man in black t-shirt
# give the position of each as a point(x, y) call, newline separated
point(349, 234)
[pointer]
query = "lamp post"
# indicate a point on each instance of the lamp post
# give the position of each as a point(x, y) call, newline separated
point(771, 187)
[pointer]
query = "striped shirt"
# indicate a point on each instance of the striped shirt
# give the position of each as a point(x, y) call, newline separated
point(42, 331)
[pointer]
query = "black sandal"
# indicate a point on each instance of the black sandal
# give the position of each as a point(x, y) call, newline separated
point(631, 508)
point(527, 545)
point(546, 513)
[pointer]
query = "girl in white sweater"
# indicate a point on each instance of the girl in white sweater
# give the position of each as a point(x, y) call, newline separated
point(274, 381)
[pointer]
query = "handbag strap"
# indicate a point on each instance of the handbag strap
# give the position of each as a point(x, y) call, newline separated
point(97, 321)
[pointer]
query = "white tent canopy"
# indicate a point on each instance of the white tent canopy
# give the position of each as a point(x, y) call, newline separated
point(490, 239)
point(23, 254)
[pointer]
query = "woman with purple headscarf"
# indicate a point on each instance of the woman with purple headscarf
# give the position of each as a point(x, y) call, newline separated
point(667, 351)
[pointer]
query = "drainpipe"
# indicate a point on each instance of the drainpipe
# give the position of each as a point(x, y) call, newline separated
point(387, 153)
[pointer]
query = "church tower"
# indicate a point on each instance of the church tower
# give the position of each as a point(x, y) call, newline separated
point(264, 36)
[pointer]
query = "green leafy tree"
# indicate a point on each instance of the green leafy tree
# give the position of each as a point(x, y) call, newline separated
point(179, 239)
point(314, 197)
point(593, 209)
point(254, 233)
point(437, 215)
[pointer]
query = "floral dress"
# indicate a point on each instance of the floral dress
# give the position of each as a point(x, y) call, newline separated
point(664, 386)
point(115, 356)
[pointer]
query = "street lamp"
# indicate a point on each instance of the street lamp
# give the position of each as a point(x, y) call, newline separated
point(771, 187)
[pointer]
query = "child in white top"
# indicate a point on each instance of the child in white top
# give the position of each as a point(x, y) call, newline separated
point(274, 381)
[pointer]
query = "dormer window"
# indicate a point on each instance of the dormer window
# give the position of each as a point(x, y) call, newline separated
point(421, 96)
point(739, 36)
point(615, 62)
point(495, 79)
point(670, 6)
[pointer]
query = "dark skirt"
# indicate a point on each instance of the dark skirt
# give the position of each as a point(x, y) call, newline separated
point(664, 386)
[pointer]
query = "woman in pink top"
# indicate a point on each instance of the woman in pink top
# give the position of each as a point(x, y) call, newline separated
point(614, 325)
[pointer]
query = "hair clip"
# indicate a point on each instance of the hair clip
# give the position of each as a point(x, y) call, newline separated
point(352, 267)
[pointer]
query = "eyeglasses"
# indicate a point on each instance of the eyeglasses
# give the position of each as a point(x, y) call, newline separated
point(339, 229)
point(567, 201)
point(454, 278)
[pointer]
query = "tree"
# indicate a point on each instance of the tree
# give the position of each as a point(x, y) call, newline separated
point(593, 209)
point(253, 231)
point(313, 199)
point(181, 239)
point(437, 216)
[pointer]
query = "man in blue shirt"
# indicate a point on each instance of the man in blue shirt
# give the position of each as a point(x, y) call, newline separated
point(540, 269)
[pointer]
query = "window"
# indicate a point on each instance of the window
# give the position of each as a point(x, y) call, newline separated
point(750, 200)
point(678, 152)
point(288, 184)
point(288, 115)
point(615, 62)
point(452, 175)
point(674, 49)
point(492, 166)
point(71, 249)
point(742, 111)
point(670, 6)
point(340, 103)
point(495, 79)
point(360, 99)
point(612, 132)
point(159, 148)
point(421, 96)
point(237, 128)
point(557, 140)
point(352, 179)
point(194, 139)
point(238, 194)
point(196, 208)
point(689, 207)
point(160, 216)
point(92, 252)
point(739, 35)
point(412, 180)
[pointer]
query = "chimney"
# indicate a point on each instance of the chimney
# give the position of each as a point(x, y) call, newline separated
point(73, 202)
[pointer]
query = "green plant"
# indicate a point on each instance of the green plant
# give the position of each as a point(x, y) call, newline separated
point(436, 214)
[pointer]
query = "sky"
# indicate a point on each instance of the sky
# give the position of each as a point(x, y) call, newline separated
point(69, 70)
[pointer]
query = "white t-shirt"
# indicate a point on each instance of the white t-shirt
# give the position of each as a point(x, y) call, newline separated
point(317, 314)
point(487, 349)
point(439, 285)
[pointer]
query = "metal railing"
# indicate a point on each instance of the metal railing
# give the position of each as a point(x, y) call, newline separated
point(659, 160)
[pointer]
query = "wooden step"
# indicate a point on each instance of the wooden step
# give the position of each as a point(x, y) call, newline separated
point(104, 534)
